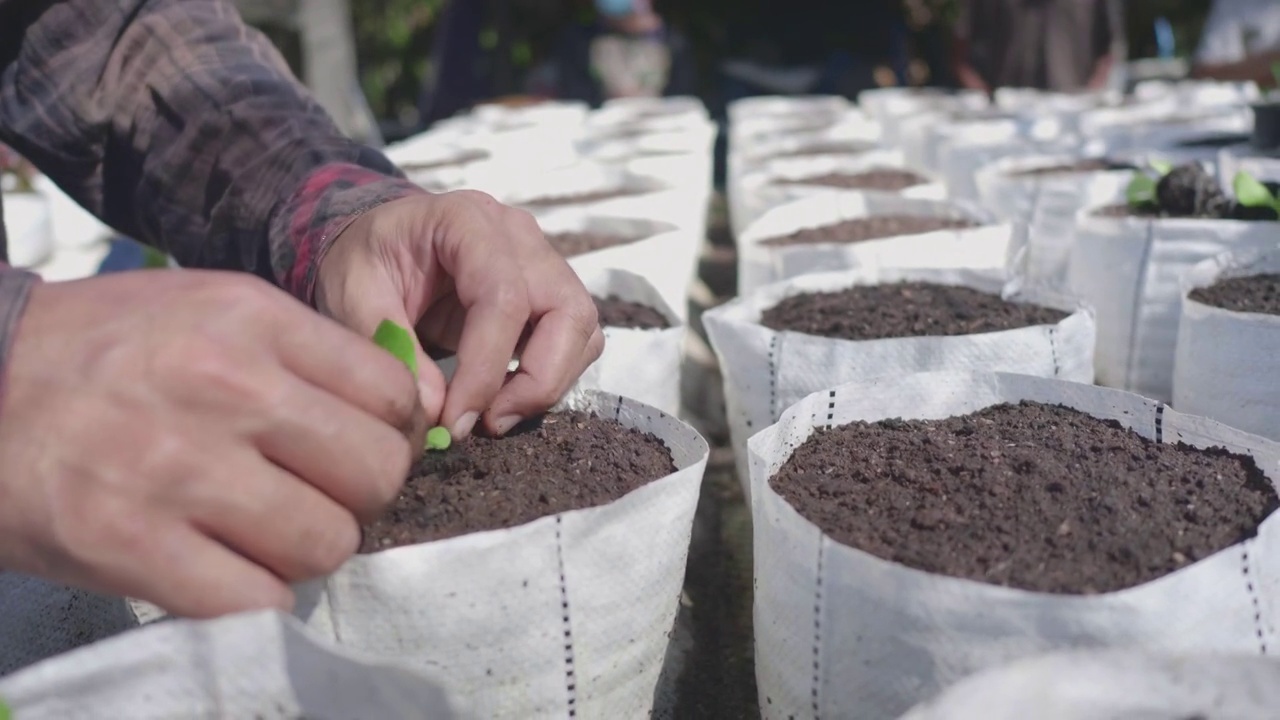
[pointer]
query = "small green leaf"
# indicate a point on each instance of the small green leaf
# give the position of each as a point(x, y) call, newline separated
point(1141, 190)
point(1251, 193)
point(438, 438)
point(397, 341)
point(1161, 166)
point(5, 712)
point(1275, 72)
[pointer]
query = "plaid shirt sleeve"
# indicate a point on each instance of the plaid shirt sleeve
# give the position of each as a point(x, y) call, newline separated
point(183, 128)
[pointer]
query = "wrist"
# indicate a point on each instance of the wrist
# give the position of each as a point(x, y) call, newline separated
point(329, 200)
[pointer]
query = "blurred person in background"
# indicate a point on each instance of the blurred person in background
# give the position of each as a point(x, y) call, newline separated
point(624, 49)
point(1240, 42)
point(1059, 45)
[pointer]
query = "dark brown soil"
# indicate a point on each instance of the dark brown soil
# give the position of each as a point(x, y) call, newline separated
point(1089, 165)
point(560, 462)
point(898, 310)
point(1029, 496)
point(1123, 211)
point(831, 148)
point(1253, 293)
point(887, 180)
point(460, 159)
point(570, 244)
point(869, 228)
point(616, 312)
point(579, 198)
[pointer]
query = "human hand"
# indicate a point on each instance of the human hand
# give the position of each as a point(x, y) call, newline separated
point(475, 277)
point(194, 439)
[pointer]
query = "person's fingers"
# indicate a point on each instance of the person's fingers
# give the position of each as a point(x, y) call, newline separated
point(269, 516)
point(497, 306)
point(563, 344)
point(344, 452)
point(176, 567)
point(348, 364)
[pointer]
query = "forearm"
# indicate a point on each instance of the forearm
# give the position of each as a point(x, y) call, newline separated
point(1255, 68)
point(176, 124)
point(1101, 72)
point(966, 74)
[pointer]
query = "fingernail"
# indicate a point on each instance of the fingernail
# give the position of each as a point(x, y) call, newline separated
point(504, 425)
point(462, 428)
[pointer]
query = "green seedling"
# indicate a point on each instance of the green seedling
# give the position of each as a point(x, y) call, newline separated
point(438, 438)
point(1250, 192)
point(5, 712)
point(1142, 189)
point(399, 342)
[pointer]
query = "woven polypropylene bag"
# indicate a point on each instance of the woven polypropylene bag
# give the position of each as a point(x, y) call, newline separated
point(569, 614)
point(663, 253)
point(985, 247)
point(256, 665)
point(1048, 205)
point(1130, 270)
point(766, 371)
point(1088, 685)
point(643, 365)
point(39, 619)
point(777, 182)
point(841, 633)
point(1226, 363)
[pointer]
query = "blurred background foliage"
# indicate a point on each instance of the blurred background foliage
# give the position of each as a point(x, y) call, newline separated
point(395, 39)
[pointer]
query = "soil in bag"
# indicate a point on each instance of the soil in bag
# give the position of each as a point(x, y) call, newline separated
point(905, 309)
point(1088, 165)
point(571, 244)
point(1189, 191)
point(884, 179)
point(847, 232)
point(1251, 293)
point(454, 161)
point(619, 313)
point(1030, 496)
point(833, 148)
point(562, 461)
point(580, 198)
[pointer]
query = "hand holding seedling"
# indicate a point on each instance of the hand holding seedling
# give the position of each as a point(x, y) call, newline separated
point(195, 439)
point(474, 277)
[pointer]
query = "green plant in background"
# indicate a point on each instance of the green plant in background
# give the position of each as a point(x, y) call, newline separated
point(1142, 188)
point(5, 712)
point(399, 342)
point(1250, 192)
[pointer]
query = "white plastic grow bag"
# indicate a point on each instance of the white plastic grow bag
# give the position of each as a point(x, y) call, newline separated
point(1130, 270)
point(1093, 684)
point(773, 182)
point(566, 614)
point(663, 254)
point(29, 223)
point(255, 665)
point(1048, 206)
point(1225, 367)
point(646, 198)
point(887, 105)
point(750, 108)
point(840, 633)
point(73, 227)
point(643, 365)
point(982, 248)
point(766, 371)
point(657, 114)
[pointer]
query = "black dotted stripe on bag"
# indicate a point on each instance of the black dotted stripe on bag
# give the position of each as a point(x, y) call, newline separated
point(817, 633)
point(570, 675)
